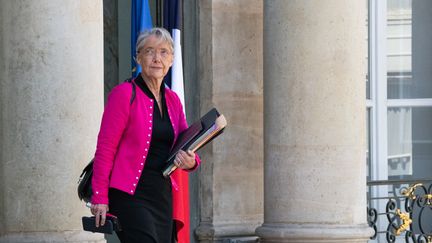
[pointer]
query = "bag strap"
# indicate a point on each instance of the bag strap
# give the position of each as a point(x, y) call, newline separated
point(87, 169)
point(130, 80)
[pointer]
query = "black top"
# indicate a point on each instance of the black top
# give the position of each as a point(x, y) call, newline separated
point(162, 132)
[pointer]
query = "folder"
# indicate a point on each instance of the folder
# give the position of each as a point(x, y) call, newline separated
point(196, 136)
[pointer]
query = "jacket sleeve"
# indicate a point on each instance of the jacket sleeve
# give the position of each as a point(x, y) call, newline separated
point(114, 121)
point(183, 126)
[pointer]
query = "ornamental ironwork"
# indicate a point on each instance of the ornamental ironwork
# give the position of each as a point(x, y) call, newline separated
point(404, 214)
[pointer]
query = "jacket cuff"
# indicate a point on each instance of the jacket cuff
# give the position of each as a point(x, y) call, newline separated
point(97, 199)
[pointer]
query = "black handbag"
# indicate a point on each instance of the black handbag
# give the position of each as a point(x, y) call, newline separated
point(84, 182)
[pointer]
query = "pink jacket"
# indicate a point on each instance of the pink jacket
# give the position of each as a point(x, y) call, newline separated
point(123, 143)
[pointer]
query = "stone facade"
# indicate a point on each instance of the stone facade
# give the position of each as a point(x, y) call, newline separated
point(287, 75)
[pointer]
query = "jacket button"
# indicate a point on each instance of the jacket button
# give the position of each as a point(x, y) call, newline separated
point(149, 134)
point(139, 171)
point(148, 142)
point(134, 184)
point(145, 149)
point(132, 191)
point(151, 107)
point(137, 177)
point(151, 114)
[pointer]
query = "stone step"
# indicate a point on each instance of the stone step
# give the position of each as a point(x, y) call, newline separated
point(252, 239)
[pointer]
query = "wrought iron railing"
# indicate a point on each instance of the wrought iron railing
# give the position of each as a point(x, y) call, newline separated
point(402, 211)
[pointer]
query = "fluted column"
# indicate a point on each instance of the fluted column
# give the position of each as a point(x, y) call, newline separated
point(51, 71)
point(314, 121)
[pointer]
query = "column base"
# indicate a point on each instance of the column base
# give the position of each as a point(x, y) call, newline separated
point(245, 232)
point(53, 237)
point(314, 233)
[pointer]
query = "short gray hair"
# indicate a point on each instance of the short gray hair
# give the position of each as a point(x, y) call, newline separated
point(160, 33)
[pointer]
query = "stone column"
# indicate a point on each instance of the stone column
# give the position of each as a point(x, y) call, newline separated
point(51, 72)
point(314, 121)
point(230, 75)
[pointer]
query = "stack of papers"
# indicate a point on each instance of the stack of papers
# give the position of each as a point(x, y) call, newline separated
point(196, 136)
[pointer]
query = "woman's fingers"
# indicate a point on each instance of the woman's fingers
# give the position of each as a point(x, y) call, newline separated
point(177, 161)
point(99, 211)
point(103, 217)
point(185, 160)
point(182, 156)
point(97, 216)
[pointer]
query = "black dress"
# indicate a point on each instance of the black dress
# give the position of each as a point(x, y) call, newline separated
point(146, 216)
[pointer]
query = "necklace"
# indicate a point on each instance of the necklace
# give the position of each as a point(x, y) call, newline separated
point(158, 99)
point(156, 94)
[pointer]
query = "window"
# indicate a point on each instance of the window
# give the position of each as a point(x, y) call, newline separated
point(400, 89)
point(399, 93)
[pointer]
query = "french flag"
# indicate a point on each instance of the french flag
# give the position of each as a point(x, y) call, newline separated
point(173, 15)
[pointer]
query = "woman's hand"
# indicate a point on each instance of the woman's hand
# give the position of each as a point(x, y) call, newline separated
point(185, 160)
point(100, 211)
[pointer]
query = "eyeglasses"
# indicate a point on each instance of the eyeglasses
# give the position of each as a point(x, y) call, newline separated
point(151, 53)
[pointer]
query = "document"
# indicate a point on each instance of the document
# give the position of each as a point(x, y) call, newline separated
point(196, 136)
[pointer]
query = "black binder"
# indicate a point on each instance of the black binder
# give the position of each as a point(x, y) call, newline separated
point(196, 136)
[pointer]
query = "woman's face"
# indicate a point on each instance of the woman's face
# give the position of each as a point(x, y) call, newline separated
point(155, 58)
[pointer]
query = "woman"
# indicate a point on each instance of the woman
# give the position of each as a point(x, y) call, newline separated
point(133, 144)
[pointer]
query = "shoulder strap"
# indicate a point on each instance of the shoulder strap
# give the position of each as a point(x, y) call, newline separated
point(133, 89)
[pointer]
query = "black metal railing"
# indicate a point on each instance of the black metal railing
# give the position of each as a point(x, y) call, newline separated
point(402, 211)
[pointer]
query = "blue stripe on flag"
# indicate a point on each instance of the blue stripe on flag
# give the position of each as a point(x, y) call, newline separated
point(140, 20)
